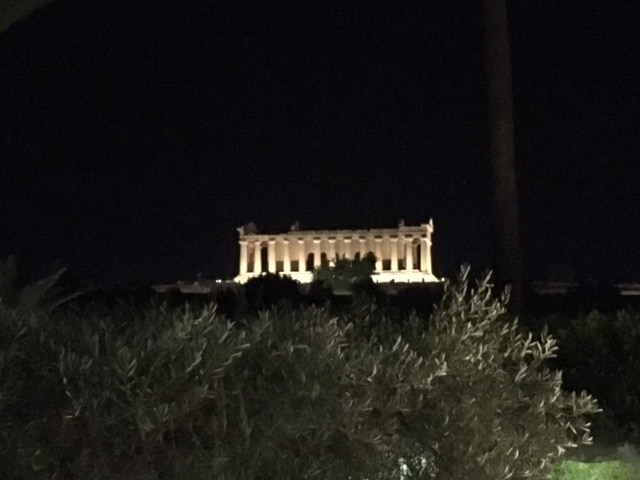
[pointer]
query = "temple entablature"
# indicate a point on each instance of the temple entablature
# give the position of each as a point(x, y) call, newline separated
point(403, 254)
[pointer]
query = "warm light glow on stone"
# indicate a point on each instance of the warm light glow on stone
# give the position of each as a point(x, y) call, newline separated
point(405, 251)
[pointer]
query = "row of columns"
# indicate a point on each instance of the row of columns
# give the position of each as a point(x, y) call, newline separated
point(425, 250)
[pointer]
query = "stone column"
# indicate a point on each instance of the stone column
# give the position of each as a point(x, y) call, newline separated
point(257, 258)
point(408, 256)
point(346, 244)
point(339, 246)
point(394, 254)
point(302, 255)
point(424, 246)
point(271, 256)
point(286, 256)
point(428, 249)
point(243, 257)
point(332, 251)
point(362, 247)
point(316, 252)
point(378, 254)
point(386, 247)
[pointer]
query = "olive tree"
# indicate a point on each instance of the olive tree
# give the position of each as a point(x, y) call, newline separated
point(290, 393)
point(497, 411)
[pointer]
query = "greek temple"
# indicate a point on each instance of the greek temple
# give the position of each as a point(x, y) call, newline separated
point(403, 254)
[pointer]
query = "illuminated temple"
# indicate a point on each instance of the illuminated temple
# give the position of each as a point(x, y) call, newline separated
point(403, 254)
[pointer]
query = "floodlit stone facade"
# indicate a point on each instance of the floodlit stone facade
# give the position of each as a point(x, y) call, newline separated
point(403, 254)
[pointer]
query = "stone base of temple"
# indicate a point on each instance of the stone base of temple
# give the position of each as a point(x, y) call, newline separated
point(404, 277)
point(377, 277)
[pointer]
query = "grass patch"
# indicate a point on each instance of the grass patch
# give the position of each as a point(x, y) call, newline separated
point(609, 470)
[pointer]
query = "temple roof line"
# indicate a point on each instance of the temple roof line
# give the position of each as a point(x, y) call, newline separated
point(250, 229)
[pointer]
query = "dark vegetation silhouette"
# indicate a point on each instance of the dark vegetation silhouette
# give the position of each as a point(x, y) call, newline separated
point(599, 353)
point(340, 391)
point(269, 290)
point(598, 340)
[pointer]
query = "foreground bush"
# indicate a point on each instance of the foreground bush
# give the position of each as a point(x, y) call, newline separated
point(497, 412)
point(269, 290)
point(44, 294)
point(599, 354)
point(291, 394)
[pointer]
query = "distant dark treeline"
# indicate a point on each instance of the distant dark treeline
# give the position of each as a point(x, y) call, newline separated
point(267, 292)
point(577, 302)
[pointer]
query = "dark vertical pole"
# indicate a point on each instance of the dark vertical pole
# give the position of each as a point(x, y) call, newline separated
point(508, 256)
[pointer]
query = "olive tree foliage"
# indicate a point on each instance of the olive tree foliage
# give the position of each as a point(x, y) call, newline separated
point(496, 411)
point(188, 395)
point(323, 405)
point(29, 400)
point(11, 349)
point(44, 294)
point(288, 394)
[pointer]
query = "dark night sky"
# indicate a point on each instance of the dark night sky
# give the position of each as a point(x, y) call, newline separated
point(136, 136)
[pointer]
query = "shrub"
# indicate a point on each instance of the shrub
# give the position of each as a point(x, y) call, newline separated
point(313, 401)
point(418, 298)
point(348, 274)
point(29, 401)
point(185, 394)
point(598, 353)
point(43, 294)
point(295, 393)
point(496, 411)
point(138, 388)
point(269, 290)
